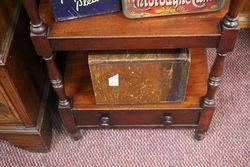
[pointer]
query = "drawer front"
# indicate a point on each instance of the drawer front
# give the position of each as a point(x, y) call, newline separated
point(136, 118)
point(8, 115)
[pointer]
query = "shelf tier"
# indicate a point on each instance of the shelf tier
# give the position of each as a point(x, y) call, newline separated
point(115, 31)
point(78, 86)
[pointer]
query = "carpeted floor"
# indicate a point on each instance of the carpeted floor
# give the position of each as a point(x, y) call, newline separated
point(226, 144)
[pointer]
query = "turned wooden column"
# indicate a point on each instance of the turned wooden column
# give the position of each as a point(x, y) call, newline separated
point(39, 38)
point(229, 34)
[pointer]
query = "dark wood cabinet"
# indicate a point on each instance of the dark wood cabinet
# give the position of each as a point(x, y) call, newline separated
point(115, 32)
point(24, 119)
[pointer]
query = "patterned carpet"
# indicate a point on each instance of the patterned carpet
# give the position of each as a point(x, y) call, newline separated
point(226, 144)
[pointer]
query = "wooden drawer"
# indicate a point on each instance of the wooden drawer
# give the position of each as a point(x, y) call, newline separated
point(136, 118)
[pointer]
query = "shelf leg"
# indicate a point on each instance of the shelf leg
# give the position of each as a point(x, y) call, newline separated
point(208, 101)
point(64, 104)
point(39, 31)
point(229, 34)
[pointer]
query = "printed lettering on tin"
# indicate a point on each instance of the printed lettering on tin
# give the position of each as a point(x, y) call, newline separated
point(81, 3)
point(174, 3)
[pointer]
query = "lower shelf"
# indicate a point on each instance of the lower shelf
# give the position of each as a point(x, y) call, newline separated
point(88, 114)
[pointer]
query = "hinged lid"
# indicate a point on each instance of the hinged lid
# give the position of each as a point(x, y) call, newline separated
point(139, 56)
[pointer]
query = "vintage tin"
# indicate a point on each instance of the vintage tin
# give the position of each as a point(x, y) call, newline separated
point(72, 9)
point(139, 77)
point(152, 8)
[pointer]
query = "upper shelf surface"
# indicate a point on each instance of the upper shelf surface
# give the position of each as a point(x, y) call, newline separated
point(116, 25)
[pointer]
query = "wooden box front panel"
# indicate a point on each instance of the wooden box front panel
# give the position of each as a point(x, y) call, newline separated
point(7, 111)
point(139, 77)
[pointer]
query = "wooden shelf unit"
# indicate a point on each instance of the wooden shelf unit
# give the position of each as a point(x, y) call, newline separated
point(87, 113)
point(79, 86)
point(115, 32)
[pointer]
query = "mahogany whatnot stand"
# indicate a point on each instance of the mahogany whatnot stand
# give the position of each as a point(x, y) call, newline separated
point(115, 32)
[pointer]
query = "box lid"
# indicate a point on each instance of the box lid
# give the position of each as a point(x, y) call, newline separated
point(139, 56)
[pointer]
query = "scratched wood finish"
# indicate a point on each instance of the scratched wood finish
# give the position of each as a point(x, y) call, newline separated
point(139, 77)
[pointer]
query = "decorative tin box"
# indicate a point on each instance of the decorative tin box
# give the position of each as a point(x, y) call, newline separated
point(71, 9)
point(150, 8)
point(139, 77)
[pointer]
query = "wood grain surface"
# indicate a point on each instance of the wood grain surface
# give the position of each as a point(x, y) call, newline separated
point(24, 120)
point(116, 25)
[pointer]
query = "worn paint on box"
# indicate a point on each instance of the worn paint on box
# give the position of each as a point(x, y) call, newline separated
point(139, 77)
point(151, 8)
point(71, 9)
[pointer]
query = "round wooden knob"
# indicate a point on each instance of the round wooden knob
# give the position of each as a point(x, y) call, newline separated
point(104, 121)
point(167, 119)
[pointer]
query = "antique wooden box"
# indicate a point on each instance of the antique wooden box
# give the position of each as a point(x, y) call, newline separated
point(150, 8)
point(71, 9)
point(139, 77)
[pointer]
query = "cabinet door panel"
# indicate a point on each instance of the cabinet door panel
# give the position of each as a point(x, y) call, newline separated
point(7, 111)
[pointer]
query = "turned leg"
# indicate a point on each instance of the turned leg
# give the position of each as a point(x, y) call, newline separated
point(229, 33)
point(64, 104)
point(208, 101)
point(42, 46)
